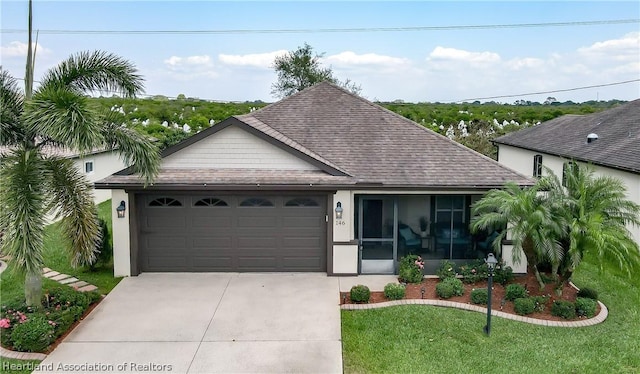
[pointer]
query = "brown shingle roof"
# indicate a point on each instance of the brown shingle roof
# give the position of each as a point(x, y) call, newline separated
point(376, 145)
point(363, 143)
point(618, 144)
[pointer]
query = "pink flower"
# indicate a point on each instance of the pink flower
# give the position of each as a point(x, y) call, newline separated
point(473, 271)
point(5, 323)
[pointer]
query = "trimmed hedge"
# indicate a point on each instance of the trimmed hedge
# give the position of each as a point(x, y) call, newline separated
point(515, 291)
point(479, 296)
point(360, 294)
point(564, 309)
point(394, 291)
point(586, 307)
point(450, 287)
point(524, 305)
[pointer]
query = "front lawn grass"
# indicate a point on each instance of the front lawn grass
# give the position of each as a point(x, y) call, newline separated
point(56, 257)
point(427, 339)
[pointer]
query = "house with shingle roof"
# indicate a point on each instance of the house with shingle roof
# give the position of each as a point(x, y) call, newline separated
point(322, 181)
point(609, 140)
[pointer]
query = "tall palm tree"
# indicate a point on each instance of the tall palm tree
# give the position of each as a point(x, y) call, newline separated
point(529, 222)
point(33, 181)
point(597, 213)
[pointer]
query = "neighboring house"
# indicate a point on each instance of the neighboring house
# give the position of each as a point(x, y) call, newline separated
point(94, 165)
point(609, 140)
point(321, 181)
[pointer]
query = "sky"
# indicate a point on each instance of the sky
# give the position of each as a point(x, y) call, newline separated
point(446, 65)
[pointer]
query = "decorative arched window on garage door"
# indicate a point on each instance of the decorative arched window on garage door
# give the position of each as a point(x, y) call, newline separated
point(211, 201)
point(256, 202)
point(165, 202)
point(301, 202)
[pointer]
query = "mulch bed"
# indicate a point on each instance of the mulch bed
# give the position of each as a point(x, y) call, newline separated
point(413, 291)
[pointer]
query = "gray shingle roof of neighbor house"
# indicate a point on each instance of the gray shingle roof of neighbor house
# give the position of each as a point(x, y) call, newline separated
point(617, 146)
point(355, 142)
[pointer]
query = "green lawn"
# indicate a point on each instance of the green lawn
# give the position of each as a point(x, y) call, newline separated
point(11, 366)
point(420, 339)
point(56, 257)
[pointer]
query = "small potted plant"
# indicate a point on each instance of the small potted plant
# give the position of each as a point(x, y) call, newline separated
point(423, 226)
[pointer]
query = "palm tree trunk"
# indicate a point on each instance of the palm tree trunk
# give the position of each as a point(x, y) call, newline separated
point(538, 277)
point(33, 289)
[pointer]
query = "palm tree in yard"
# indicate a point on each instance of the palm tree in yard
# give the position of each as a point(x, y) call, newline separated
point(597, 213)
point(33, 181)
point(529, 221)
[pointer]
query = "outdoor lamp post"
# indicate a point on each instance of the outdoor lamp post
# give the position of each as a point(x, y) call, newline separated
point(491, 264)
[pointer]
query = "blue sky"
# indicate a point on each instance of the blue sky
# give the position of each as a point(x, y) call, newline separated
point(445, 65)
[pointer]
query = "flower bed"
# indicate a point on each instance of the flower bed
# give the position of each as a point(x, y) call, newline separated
point(29, 329)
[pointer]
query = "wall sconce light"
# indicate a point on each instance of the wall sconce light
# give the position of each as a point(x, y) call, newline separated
point(121, 209)
point(339, 210)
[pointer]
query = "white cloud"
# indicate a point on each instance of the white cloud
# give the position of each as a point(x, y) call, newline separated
point(190, 60)
point(259, 60)
point(626, 46)
point(190, 67)
point(525, 63)
point(351, 58)
point(452, 54)
point(19, 49)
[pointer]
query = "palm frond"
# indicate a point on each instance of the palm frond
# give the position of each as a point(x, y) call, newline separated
point(65, 117)
point(134, 148)
point(95, 71)
point(11, 102)
point(22, 208)
point(73, 199)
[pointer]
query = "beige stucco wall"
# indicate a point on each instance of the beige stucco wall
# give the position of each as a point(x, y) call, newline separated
point(345, 253)
point(234, 148)
point(522, 160)
point(121, 235)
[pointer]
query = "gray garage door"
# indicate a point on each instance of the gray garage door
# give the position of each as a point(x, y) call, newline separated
point(232, 233)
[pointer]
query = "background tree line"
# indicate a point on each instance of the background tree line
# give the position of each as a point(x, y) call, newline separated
point(472, 124)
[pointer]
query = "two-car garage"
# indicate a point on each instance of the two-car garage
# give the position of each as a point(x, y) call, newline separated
point(257, 232)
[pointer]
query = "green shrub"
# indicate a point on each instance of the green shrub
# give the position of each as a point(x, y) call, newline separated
point(515, 291)
point(449, 287)
point(541, 302)
point(104, 247)
point(360, 294)
point(66, 297)
point(33, 335)
point(588, 293)
point(410, 269)
point(564, 309)
point(524, 305)
point(394, 291)
point(474, 271)
point(586, 307)
point(479, 296)
point(447, 269)
point(503, 274)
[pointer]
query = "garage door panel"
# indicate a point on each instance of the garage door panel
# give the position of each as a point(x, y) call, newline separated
point(212, 263)
point(167, 263)
point(201, 235)
point(209, 222)
point(162, 221)
point(247, 222)
point(296, 222)
point(212, 242)
point(301, 263)
point(306, 242)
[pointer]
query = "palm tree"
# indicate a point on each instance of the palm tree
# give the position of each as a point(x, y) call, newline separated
point(529, 222)
point(34, 181)
point(597, 212)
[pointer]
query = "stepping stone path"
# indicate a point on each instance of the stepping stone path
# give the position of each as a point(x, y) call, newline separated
point(81, 286)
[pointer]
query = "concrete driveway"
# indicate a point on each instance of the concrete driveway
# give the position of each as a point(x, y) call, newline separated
point(209, 323)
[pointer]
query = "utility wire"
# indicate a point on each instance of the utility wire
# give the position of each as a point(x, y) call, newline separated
point(331, 30)
point(549, 92)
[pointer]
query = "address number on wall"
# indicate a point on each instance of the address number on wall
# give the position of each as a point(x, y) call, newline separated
point(340, 223)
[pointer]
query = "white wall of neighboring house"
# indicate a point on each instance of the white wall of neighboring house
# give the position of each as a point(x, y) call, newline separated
point(104, 164)
point(521, 160)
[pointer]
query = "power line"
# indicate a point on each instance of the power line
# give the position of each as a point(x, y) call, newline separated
point(549, 92)
point(329, 30)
